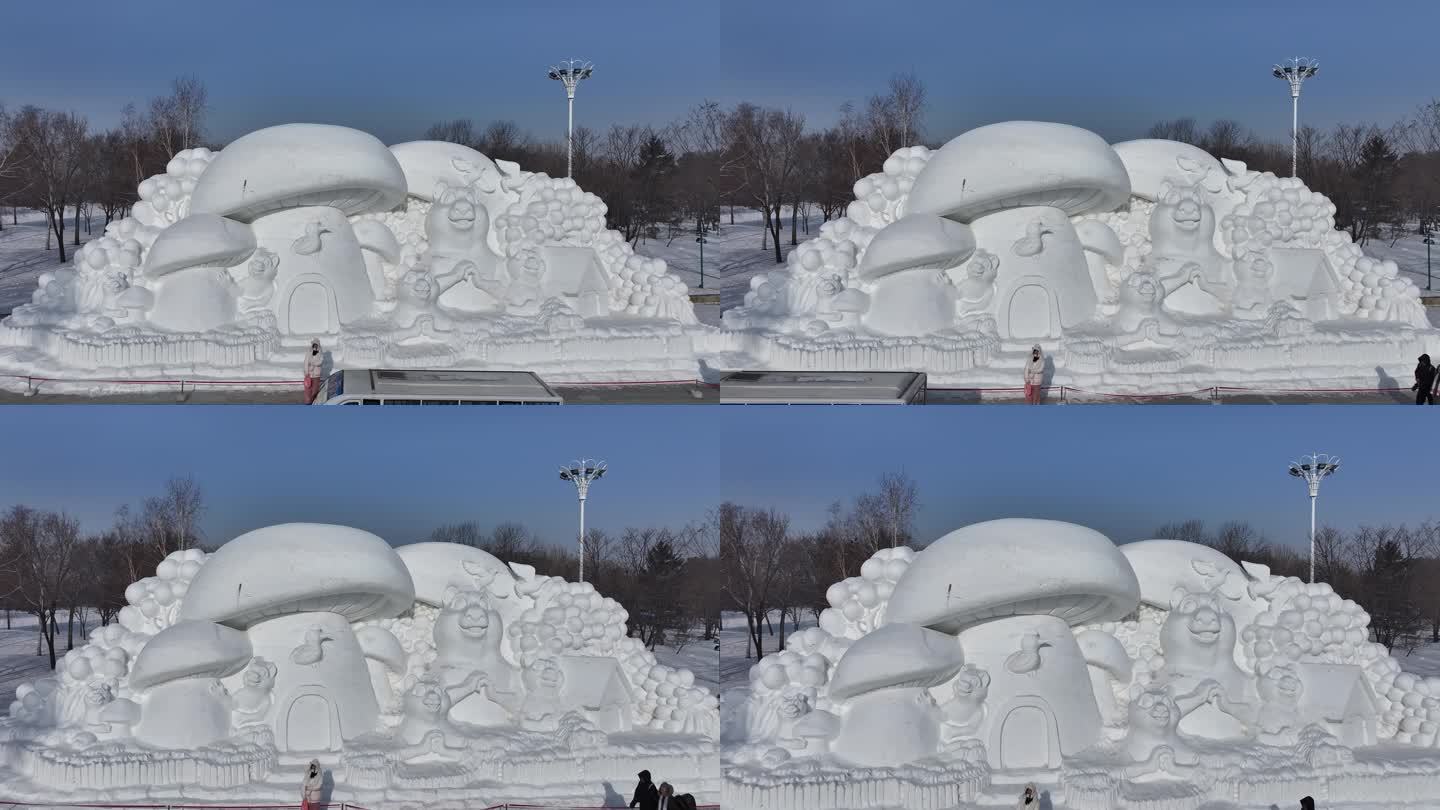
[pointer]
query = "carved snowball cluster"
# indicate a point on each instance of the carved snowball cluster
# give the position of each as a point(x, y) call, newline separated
point(552, 210)
point(639, 286)
point(1140, 636)
point(823, 265)
point(857, 604)
point(1132, 227)
point(804, 664)
point(416, 633)
point(576, 619)
point(154, 601)
point(669, 700)
point(408, 226)
point(1309, 622)
point(1279, 210)
point(880, 197)
point(166, 197)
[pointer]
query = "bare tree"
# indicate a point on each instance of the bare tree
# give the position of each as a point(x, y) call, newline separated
point(769, 144)
point(898, 495)
point(752, 544)
point(53, 148)
point(41, 547)
point(177, 121)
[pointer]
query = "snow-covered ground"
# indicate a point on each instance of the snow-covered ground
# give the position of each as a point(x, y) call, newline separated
point(23, 256)
point(698, 656)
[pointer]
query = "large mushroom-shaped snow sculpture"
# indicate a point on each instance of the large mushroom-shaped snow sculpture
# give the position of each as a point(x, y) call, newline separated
point(188, 262)
point(906, 261)
point(299, 616)
point(431, 165)
point(1019, 164)
point(179, 672)
point(296, 184)
point(1162, 566)
point(883, 680)
point(1012, 589)
point(1152, 163)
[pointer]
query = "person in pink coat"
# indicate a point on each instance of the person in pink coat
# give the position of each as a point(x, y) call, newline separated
point(1034, 376)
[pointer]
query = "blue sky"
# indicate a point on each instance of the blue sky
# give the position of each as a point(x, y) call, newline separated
point(378, 469)
point(399, 472)
point(392, 68)
point(1123, 470)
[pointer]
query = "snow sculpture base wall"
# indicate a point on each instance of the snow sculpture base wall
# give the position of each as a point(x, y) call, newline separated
point(1157, 674)
point(433, 672)
point(1144, 266)
point(425, 254)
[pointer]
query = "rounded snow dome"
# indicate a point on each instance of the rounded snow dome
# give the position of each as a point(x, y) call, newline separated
point(436, 567)
point(1163, 565)
point(1017, 164)
point(295, 165)
point(299, 568)
point(1015, 567)
point(428, 163)
point(1151, 162)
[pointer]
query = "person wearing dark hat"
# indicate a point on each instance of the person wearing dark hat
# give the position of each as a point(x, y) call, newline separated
point(1307, 803)
point(1425, 379)
point(1034, 376)
point(314, 371)
point(647, 796)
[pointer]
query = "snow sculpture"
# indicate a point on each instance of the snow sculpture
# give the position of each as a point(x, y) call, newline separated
point(421, 254)
point(1023, 650)
point(308, 639)
point(1122, 260)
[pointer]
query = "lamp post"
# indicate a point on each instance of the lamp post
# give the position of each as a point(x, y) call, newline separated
point(1312, 469)
point(1295, 72)
point(1429, 240)
point(581, 474)
point(570, 73)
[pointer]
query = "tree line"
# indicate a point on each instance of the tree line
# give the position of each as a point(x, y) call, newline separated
point(769, 568)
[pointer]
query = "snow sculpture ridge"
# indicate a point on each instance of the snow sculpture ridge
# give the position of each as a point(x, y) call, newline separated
point(1144, 265)
point(307, 639)
point(951, 674)
point(425, 254)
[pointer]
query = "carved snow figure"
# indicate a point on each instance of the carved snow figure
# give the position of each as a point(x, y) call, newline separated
point(188, 262)
point(312, 650)
point(1182, 234)
point(426, 711)
point(1141, 297)
point(1198, 642)
point(840, 307)
point(906, 263)
point(254, 699)
point(977, 285)
point(792, 709)
point(1278, 721)
point(1033, 242)
point(541, 707)
point(457, 229)
point(964, 712)
point(523, 296)
point(415, 297)
point(107, 717)
point(257, 288)
point(884, 680)
point(1027, 659)
point(469, 659)
point(310, 241)
point(1152, 730)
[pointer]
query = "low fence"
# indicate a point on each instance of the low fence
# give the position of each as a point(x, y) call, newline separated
point(1215, 395)
point(183, 386)
point(328, 806)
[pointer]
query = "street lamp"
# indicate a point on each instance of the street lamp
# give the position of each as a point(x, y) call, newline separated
point(1295, 72)
point(581, 473)
point(1312, 469)
point(570, 73)
point(1429, 240)
point(701, 239)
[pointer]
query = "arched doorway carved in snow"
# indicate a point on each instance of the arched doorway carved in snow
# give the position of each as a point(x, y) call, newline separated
point(1029, 311)
point(308, 722)
point(308, 307)
point(1026, 736)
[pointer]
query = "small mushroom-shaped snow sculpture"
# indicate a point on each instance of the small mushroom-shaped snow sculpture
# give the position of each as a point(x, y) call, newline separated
point(190, 649)
point(185, 704)
point(383, 654)
point(1106, 658)
point(122, 715)
point(906, 261)
point(187, 263)
point(1020, 163)
point(998, 582)
point(884, 678)
point(136, 301)
point(199, 240)
point(300, 165)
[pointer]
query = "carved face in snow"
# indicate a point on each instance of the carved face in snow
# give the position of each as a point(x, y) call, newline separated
point(474, 620)
point(1258, 270)
point(116, 283)
point(1140, 291)
point(1182, 224)
point(1198, 630)
point(793, 707)
point(1281, 685)
point(263, 263)
point(1154, 710)
point(983, 266)
point(972, 684)
point(260, 674)
point(417, 285)
point(831, 285)
point(99, 694)
point(544, 677)
point(427, 699)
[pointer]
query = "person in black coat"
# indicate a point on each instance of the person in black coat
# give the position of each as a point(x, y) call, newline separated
point(647, 796)
point(1424, 386)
